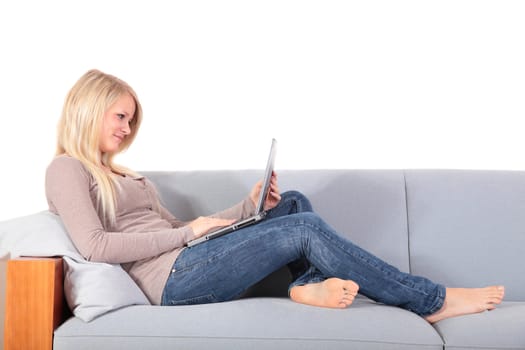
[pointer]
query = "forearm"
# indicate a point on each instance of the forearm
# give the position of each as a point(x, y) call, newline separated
point(123, 247)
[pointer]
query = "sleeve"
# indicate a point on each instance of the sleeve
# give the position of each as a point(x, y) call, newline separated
point(68, 192)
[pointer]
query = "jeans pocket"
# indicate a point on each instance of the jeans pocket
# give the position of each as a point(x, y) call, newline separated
point(202, 299)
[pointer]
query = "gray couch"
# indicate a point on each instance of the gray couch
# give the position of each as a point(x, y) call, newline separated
point(459, 228)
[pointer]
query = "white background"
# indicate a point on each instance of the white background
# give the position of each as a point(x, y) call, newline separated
point(340, 84)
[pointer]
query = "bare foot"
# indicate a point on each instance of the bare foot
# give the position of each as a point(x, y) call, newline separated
point(333, 292)
point(463, 301)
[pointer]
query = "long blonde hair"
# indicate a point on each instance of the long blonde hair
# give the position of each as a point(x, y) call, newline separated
point(79, 132)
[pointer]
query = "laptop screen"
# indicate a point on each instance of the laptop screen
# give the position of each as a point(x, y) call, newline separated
point(267, 177)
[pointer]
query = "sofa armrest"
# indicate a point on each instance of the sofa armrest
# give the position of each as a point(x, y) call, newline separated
point(35, 304)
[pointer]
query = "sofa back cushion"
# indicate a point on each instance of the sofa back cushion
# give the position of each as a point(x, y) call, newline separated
point(467, 228)
point(367, 206)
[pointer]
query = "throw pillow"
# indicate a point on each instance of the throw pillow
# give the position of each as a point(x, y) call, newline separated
point(91, 289)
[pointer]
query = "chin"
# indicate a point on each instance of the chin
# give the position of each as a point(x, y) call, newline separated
point(111, 150)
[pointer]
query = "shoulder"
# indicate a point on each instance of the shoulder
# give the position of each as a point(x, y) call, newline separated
point(65, 169)
point(65, 163)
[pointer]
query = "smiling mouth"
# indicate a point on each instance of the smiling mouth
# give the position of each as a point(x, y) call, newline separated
point(119, 138)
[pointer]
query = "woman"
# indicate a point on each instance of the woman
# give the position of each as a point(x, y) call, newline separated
point(114, 215)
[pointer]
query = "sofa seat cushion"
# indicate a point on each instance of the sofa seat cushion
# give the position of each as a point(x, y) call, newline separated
point(254, 323)
point(502, 328)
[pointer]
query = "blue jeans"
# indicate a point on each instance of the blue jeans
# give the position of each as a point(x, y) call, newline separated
point(224, 268)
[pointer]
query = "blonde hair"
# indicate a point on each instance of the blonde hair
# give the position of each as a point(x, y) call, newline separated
point(79, 132)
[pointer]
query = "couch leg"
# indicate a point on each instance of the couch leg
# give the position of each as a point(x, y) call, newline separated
point(34, 303)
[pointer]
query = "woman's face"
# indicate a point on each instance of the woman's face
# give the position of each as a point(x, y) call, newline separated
point(115, 126)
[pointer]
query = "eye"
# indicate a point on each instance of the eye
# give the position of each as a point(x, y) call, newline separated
point(120, 116)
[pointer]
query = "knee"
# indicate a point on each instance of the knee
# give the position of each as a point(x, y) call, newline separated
point(299, 200)
point(310, 219)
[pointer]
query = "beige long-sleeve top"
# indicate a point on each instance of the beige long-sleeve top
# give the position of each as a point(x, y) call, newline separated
point(146, 238)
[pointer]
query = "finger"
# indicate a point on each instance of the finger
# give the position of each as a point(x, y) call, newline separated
point(275, 195)
point(274, 192)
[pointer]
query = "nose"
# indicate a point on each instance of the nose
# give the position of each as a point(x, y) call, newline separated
point(126, 129)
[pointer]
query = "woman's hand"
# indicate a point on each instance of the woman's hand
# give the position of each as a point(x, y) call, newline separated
point(204, 224)
point(272, 198)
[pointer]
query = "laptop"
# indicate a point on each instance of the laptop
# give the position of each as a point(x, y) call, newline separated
point(259, 210)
